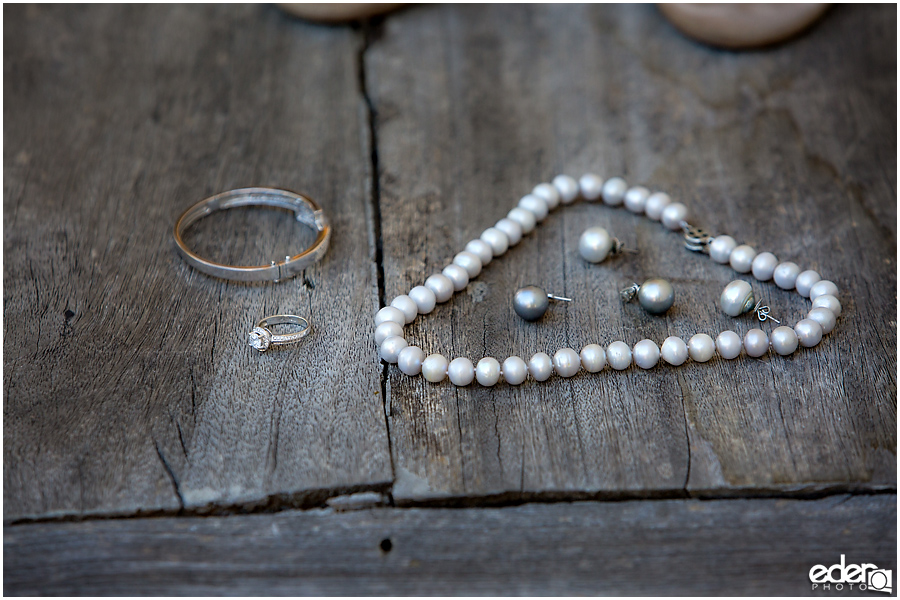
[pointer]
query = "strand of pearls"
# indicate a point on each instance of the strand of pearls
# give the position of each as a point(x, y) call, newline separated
point(531, 210)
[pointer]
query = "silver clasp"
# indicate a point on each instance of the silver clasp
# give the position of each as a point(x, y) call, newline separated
point(696, 239)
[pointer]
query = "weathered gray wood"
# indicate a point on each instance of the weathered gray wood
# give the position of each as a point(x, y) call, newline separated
point(683, 547)
point(792, 150)
point(128, 384)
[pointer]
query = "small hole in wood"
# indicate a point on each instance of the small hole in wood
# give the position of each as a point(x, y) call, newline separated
point(386, 545)
point(69, 314)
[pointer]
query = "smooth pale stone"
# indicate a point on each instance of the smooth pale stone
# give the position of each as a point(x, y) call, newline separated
point(741, 259)
point(636, 198)
point(823, 288)
point(728, 343)
point(784, 340)
point(720, 249)
point(461, 372)
point(390, 313)
point(763, 266)
point(618, 355)
point(593, 358)
point(540, 366)
point(410, 359)
point(566, 362)
point(548, 193)
point(673, 215)
point(514, 370)
point(537, 206)
point(496, 239)
point(458, 275)
point(809, 332)
point(525, 219)
point(386, 330)
point(480, 249)
point(805, 281)
point(441, 286)
point(830, 302)
point(512, 230)
point(407, 306)
point(614, 191)
point(823, 317)
point(756, 343)
point(701, 347)
point(785, 275)
point(567, 188)
point(434, 368)
point(487, 371)
point(674, 351)
point(735, 298)
point(655, 205)
point(424, 299)
point(470, 262)
point(595, 244)
point(391, 347)
point(646, 354)
point(591, 187)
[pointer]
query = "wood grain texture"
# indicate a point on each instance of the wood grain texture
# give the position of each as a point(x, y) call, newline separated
point(686, 547)
point(128, 383)
point(791, 150)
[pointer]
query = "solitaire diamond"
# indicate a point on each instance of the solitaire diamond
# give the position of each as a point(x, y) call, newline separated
point(260, 339)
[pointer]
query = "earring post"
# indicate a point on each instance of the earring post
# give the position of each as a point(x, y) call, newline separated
point(560, 298)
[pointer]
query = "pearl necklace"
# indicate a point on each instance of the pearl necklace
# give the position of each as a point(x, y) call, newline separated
point(531, 210)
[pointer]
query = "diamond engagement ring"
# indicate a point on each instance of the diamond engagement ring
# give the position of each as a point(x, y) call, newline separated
point(261, 337)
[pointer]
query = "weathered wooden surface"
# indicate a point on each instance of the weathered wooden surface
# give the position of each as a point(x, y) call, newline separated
point(792, 150)
point(744, 547)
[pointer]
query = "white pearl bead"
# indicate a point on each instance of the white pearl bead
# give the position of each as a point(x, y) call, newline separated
point(591, 187)
point(756, 343)
point(593, 358)
point(823, 288)
point(636, 198)
point(674, 351)
point(741, 259)
point(457, 275)
point(566, 362)
point(390, 313)
point(424, 299)
point(512, 230)
point(410, 360)
point(496, 239)
point(823, 317)
point(785, 275)
point(470, 262)
point(407, 306)
point(525, 219)
point(735, 297)
point(391, 347)
point(487, 372)
point(614, 191)
point(461, 372)
point(830, 302)
point(537, 206)
point(595, 244)
point(784, 340)
point(618, 355)
point(548, 194)
point(441, 286)
point(701, 347)
point(482, 250)
point(567, 188)
point(386, 330)
point(728, 343)
point(646, 354)
point(805, 281)
point(434, 368)
point(720, 249)
point(809, 333)
point(514, 370)
point(764, 266)
point(655, 205)
point(673, 215)
point(540, 366)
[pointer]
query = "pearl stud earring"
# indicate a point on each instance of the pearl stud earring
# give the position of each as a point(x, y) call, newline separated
point(531, 302)
point(655, 295)
point(596, 244)
point(737, 298)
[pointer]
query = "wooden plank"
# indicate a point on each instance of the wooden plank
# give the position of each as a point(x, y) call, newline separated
point(671, 547)
point(128, 383)
point(792, 150)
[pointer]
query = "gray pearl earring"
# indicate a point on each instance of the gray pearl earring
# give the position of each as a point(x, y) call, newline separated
point(737, 298)
point(595, 244)
point(655, 295)
point(531, 302)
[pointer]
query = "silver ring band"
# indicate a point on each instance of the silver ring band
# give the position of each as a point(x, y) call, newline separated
point(305, 209)
point(261, 337)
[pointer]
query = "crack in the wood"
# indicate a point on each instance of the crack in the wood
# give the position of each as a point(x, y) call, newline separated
point(171, 474)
